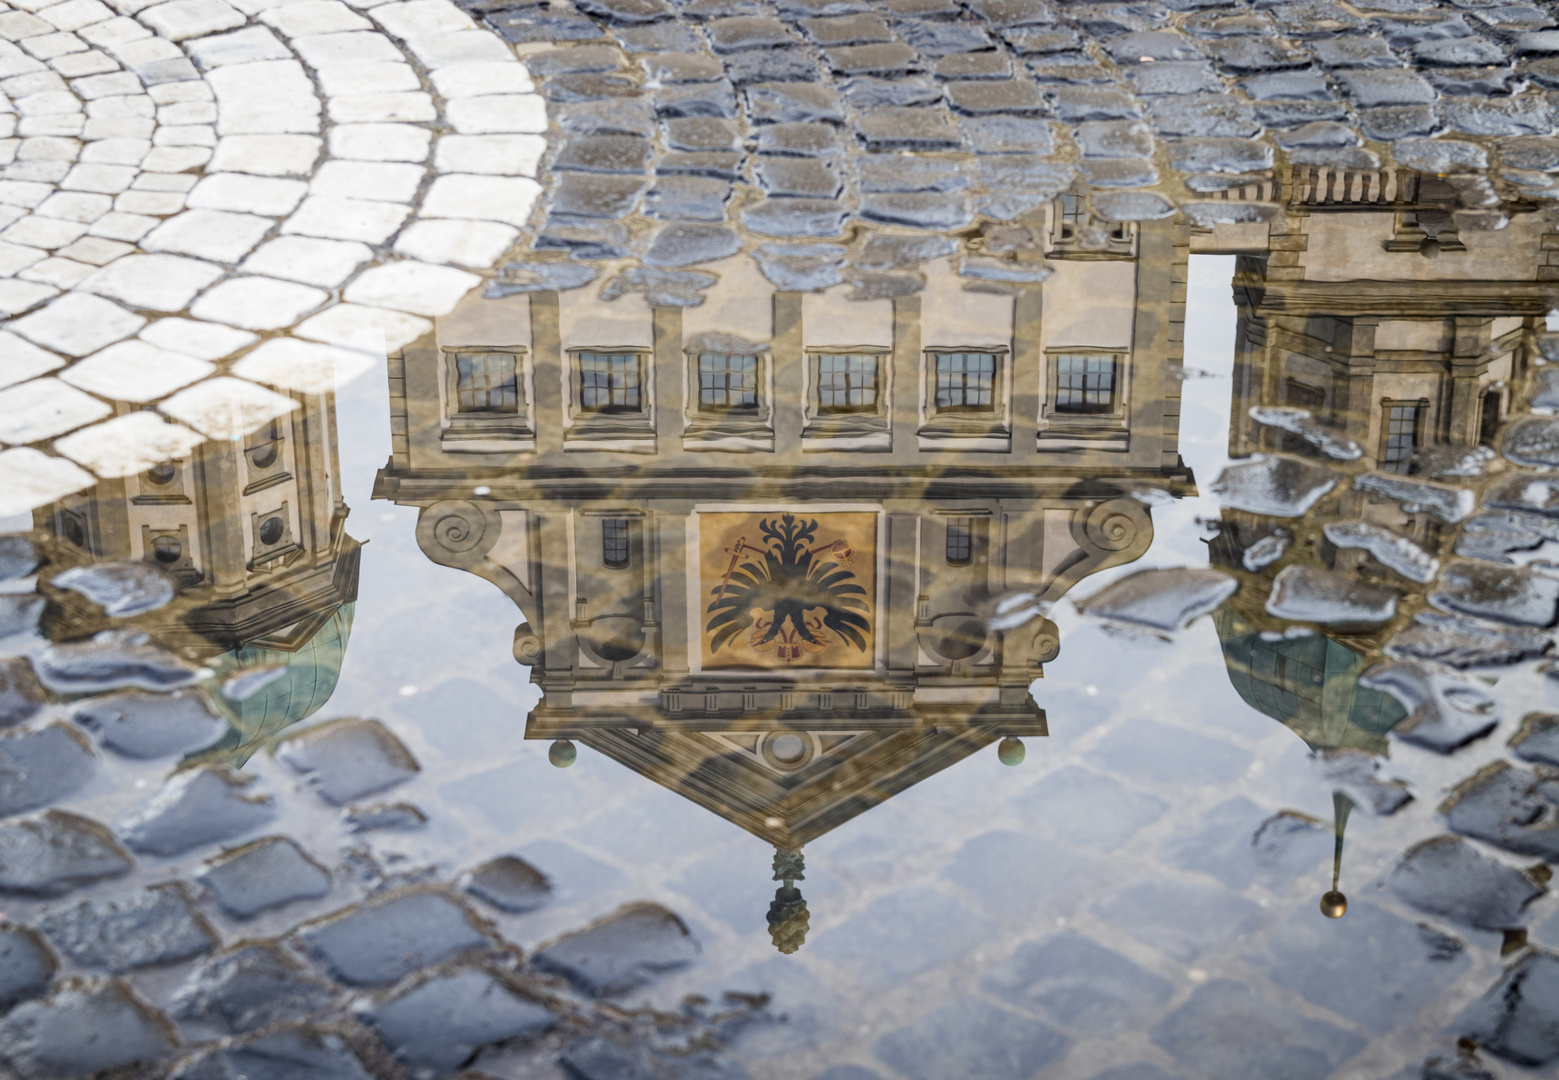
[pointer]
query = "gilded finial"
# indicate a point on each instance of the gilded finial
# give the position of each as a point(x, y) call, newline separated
point(788, 912)
point(1334, 905)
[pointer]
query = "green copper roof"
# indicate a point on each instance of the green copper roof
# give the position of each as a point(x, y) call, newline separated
point(1310, 684)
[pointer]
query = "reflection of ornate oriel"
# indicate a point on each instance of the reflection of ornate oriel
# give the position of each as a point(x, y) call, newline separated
point(761, 543)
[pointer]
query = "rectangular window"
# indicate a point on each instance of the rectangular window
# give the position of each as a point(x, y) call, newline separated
point(486, 383)
point(614, 542)
point(1401, 437)
point(965, 382)
point(847, 383)
point(1085, 384)
point(609, 382)
point(1074, 215)
point(960, 541)
point(727, 382)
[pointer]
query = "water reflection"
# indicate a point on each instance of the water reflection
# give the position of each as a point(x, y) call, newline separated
point(253, 534)
point(761, 545)
point(799, 530)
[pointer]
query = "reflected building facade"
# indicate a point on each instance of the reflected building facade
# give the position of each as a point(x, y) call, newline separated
point(253, 532)
point(759, 542)
point(1401, 320)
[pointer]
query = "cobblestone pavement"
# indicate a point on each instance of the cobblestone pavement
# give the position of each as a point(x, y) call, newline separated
point(205, 206)
point(183, 178)
point(183, 181)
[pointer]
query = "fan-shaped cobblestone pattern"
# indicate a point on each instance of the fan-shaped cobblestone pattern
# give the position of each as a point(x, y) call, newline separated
point(191, 181)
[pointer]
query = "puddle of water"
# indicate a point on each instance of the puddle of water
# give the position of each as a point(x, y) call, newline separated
point(812, 540)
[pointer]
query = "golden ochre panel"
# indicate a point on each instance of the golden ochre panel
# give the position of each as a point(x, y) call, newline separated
point(788, 589)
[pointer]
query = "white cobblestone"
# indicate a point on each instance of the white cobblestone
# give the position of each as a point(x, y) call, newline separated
point(77, 325)
point(421, 17)
point(188, 90)
point(116, 152)
point(75, 65)
point(122, 225)
point(21, 360)
point(19, 296)
point(382, 108)
point(353, 47)
point(96, 250)
point(119, 83)
point(48, 46)
point(153, 282)
point(364, 328)
point(117, 128)
point(30, 478)
point(492, 198)
point(14, 258)
point(247, 46)
point(218, 235)
point(480, 79)
point(314, 17)
point(420, 288)
point(303, 366)
point(465, 46)
point(272, 196)
point(501, 155)
point(115, 32)
point(75, 14)
point(260, 81)
point(187, 112)
point(307, 259)
point(192, 135)
point(498, 114)
point(103, 179)
point(176, 158)
point(346, 219)
point(43, 232)
point(379, 142)
point(226, 408)
point(136, 371)
point(44, 408)
point(161, 203)
point(202, 340)
point(60, 272)
point(267, 155)
point(477, 244)
point(180, 19)
point(129, 444)
point(258, 303)
point(378, 180)
point(367, 79)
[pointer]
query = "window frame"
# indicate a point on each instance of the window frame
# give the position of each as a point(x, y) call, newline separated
point(1420, 407)
point(1066, 228)
point(848, 422)
point(635, 361)
point(854, 361)
point(943, 422)
point(961, 530)
point(627, 542)
point(728, 409)
point(608, 424)
point(459, 426)
point(1112, 419)
point(513, 388)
